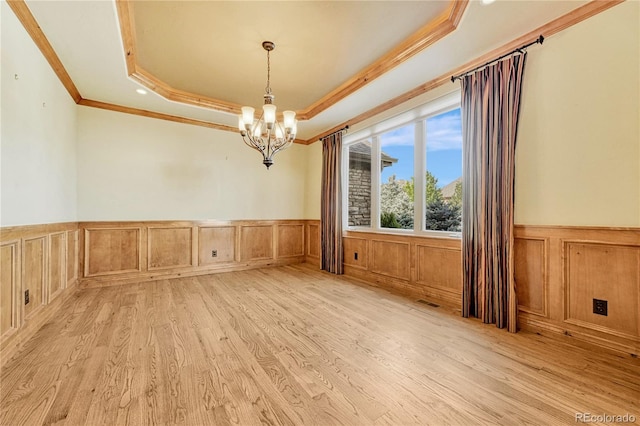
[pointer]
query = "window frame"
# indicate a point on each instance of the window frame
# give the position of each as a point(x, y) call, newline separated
point(418, 116)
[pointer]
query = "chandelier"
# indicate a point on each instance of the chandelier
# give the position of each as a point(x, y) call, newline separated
point(266, 135)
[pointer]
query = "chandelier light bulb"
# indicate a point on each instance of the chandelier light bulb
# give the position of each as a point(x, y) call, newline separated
point(279, 134)
point(241, 125)
point(247, 115)
point(269, 114)
point(289, 119)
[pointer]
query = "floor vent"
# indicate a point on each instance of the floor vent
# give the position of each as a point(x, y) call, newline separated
point(428, 303)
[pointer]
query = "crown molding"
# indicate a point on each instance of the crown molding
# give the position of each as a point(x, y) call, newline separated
point(440, 26)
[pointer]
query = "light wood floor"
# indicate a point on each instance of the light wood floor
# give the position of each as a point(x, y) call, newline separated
point(290, 345)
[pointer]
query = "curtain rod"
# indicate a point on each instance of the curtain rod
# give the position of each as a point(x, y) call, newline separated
point(342, 129)
point(539, 40)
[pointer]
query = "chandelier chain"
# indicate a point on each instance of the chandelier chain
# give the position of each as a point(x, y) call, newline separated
point(268, 88)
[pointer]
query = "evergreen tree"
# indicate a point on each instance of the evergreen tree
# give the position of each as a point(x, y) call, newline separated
point(441, 216)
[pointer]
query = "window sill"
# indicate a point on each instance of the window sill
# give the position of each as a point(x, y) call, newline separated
point(409, 233)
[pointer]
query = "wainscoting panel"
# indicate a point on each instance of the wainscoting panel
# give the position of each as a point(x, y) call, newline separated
point(561, 270)
point(312, 238)
point(169, 247)
point(112, 251)
point(355, 252)
point(416, 266)
point(256, 242)
point(530, 260)
point(439, 268)
point(618, 284)
point(9, 288)
point(57, 278)
point(72, 256)
point(39, 258)
point(221, 239)
point(390, 258)
point(290, 240)
point(34, 279)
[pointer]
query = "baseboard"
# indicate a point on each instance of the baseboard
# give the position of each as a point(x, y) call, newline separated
point(116, 280)
point(536, 324)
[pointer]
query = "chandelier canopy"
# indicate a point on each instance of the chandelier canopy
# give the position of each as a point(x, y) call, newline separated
point(266, 135)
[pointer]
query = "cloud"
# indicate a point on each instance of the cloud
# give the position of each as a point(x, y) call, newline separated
point(402, 136)
point(444, 132)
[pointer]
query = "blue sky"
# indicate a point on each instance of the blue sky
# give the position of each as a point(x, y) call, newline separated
point(444, 148)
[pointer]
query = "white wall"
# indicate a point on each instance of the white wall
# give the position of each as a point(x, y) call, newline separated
point(313, 181)
point(38, 160)
point(578, 152)
point(138, 168)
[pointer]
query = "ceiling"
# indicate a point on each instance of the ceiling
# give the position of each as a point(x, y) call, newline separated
point(333, 60)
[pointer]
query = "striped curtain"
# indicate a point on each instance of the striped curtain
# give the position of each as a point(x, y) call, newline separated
point(490, 108)
point(331, 204)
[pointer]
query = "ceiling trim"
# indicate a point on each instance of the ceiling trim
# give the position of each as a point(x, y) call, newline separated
point(443, 24)
point(553, 27)
point(161, 116)
point(151, 114)
point(30, 24)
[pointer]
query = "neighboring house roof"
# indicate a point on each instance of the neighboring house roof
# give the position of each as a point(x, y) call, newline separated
point(362, 151)
point(449, 189)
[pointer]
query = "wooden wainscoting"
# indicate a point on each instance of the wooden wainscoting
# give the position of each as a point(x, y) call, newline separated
point(561, 270)
point(312, 242)
point(428, 268)
point(126, 252)
point(43, 260)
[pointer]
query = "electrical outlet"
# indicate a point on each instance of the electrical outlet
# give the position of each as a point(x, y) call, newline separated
point(214, 253)
point(355, 255)
point(26, 297)
point(600, 307)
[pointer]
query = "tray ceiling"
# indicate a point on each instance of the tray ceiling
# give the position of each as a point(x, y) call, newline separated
point(214, 48)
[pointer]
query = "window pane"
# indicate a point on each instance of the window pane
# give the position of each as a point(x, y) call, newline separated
point(360, 184)
point(443, 201)
point(396, 178)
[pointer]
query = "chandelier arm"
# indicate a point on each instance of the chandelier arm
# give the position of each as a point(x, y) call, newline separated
point(281, 147)
point(252, 143)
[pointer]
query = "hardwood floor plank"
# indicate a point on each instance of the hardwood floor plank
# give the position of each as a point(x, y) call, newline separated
point(289, 346)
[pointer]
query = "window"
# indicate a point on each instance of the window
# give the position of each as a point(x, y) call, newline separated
point(396, 178)
point(382, 191)
point(359, 209)
point(443, 178)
